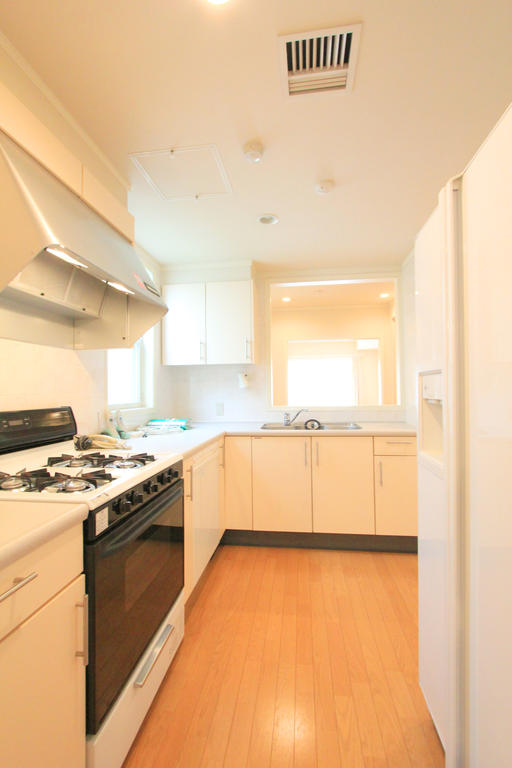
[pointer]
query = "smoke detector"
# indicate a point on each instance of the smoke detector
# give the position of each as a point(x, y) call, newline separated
point(324, 187)
point(253, 151)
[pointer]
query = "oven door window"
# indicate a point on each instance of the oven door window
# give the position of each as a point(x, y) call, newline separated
point(135, 574)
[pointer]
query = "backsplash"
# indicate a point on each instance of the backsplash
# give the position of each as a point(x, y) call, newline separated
point(34, 376)
point(199, 392)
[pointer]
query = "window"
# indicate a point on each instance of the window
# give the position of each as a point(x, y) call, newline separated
point(130, 374)
point(328, 380)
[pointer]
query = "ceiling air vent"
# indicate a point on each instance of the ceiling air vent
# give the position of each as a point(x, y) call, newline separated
point(323, 60)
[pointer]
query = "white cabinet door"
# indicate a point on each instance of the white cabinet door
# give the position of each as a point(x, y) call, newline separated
point(396, 496)
point(42, 705)
point(281, 484)
point(229, 322)
point(343, 485)
point(203, 529)
point(183, 327)
point(238, 483)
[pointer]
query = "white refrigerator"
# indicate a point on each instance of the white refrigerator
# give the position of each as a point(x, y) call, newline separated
point(463, 259)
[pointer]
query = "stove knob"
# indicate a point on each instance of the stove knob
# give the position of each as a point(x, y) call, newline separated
point(124, 506)
point(153, 487)
point(175, 473)
point(138, 497)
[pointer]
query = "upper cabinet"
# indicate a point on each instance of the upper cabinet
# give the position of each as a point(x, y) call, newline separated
point(208, 323)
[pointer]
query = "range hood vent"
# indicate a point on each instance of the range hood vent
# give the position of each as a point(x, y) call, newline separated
point(66, 277)
point(322, 60)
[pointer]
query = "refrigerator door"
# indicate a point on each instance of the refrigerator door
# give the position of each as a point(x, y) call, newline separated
point(487, 242)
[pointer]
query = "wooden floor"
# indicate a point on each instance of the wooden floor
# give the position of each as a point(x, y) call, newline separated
point(295, 658)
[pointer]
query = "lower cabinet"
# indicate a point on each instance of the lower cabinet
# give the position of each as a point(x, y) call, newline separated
point(396, 496)
point(343, 485)
point(203, 529)
point(42, 706)
point(281, 484)
point(238, 483)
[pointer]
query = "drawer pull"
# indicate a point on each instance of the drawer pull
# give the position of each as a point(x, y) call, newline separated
point(153, 656)
point(399, 442)
point(18, 584)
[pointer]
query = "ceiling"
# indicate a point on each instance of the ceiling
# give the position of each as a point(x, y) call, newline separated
point(431, 80)
point(329, 294)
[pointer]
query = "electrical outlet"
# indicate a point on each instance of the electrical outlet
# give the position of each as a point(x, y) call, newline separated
point(219, 409)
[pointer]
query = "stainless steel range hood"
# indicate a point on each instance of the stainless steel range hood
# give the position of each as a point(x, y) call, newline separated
point(66, 277)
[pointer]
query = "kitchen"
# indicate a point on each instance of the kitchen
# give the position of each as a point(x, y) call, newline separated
point(347, 213)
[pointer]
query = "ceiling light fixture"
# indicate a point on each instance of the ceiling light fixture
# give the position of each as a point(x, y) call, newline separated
point(384, 295)
point(66, 257)
point(268, 218)
point(218, 2)
point(286, 298)
point(120, 287)
point(253, 151)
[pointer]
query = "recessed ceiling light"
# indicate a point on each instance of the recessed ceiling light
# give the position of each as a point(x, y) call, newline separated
point(286, 298)
point(385, 295)
point(218, 2)
point(268, 218)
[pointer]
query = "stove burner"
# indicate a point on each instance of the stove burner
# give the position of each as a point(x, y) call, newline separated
point(70, 485)
point(14, 483)
point(70, 461)
point(124, 464)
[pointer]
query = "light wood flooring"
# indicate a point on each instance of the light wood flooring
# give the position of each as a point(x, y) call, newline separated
point(295, 659)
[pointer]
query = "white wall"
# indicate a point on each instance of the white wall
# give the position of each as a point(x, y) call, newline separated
point(33, 376)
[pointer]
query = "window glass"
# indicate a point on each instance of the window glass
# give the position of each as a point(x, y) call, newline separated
point(124, 375)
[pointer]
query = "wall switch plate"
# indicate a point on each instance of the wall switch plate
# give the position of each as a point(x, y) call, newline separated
point(219, 409)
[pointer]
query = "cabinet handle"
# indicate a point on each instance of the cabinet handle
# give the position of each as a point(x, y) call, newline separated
point(247, 349)
point(18, 584)
point(398, 442)
point(202, 351)
point(153, 656)
point(85, 643)
point(380, 473)
point(191, 494)
point(223, 462)
point(317, 455)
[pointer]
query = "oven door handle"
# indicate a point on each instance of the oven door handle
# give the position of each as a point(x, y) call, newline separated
point(142, 522)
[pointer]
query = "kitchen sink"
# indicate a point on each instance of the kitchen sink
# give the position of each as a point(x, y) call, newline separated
point(330, 425)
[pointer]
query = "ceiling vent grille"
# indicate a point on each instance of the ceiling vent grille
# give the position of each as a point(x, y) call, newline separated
point(323, 60)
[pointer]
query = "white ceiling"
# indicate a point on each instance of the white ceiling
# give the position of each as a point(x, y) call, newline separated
point(432, 78)
point(330, 294)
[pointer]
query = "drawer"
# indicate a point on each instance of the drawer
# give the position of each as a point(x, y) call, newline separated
point(394, 445)
point(55, 563)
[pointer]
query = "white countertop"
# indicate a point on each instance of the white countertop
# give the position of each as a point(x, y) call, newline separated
point(24, 525)
point(188, 441)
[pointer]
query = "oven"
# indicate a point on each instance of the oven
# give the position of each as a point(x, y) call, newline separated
point(134, 573)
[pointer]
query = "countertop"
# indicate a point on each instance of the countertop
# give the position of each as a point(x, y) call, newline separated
point(24, 525)
point(188, 441)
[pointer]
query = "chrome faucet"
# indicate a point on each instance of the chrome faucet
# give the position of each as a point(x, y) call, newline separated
point(286, 417)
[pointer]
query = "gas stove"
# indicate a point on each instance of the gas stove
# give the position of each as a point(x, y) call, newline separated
point(55, 470)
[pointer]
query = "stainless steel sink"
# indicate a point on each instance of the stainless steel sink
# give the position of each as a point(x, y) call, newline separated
point(330, 425)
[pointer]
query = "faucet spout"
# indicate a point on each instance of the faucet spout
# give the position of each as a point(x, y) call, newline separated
point(287, 420)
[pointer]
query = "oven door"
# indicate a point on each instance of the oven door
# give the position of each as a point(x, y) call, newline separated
point(134, 574)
